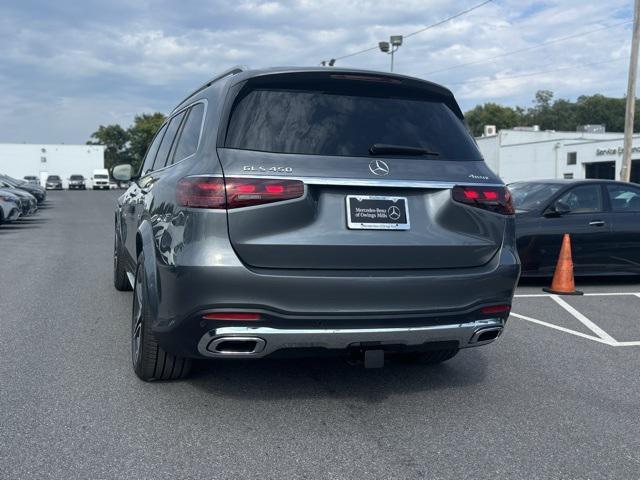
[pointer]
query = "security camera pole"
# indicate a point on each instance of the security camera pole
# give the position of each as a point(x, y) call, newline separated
point(392, 46)
point(625, 172)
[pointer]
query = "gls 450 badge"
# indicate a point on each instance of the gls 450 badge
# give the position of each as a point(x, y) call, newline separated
point(261, 169)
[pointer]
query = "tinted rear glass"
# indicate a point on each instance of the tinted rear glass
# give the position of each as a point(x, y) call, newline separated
point(334, 123)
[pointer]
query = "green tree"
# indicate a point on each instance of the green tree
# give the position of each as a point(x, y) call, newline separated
point(141, 134)
point(493, 114)
point(603, 110)
point(115, 139)
point(551, 115)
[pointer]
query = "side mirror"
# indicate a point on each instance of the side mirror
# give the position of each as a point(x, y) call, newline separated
point(558, 209)
point(122, 173)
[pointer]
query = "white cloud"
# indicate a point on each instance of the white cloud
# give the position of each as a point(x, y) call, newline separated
point(133, 56)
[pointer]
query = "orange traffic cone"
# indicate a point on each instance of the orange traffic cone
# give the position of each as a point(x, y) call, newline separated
point(563, 283)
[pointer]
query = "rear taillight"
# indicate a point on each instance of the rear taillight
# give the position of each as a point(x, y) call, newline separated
point(235, 192)
point(494, 199)
point(201, 192)
point(245, 192)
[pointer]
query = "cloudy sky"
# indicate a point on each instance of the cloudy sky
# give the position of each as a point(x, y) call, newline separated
point(68, 66)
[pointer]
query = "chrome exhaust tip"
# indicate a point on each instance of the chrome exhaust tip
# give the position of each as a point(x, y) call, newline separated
point(486, 335)
point(236, 346)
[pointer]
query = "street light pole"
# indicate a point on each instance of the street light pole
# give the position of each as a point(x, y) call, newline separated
point(625, 172)
point(391, 46)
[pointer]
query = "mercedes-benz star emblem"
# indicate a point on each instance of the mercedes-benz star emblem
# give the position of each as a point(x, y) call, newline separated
point(378, 167)
point(393, 212)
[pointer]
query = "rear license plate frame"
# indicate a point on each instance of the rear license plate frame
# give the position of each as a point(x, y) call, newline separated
point(386, 202)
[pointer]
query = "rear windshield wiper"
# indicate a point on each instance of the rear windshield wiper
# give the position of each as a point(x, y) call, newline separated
point(385, 149)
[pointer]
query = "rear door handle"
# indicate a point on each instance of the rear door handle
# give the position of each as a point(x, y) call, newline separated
point(597, 223)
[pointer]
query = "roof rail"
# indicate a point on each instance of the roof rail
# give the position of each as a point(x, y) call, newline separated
point(232, 71)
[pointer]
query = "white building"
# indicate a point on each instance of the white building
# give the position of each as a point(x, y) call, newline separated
point(40, 160)
point(531, 154)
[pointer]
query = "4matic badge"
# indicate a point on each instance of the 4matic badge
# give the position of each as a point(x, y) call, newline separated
point(478, 177)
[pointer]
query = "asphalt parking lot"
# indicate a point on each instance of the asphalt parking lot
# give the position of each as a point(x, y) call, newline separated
point(557, 396)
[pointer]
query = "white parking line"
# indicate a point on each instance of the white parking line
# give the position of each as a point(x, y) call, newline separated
point(562, 329)
point(585, 321)
point(602, 336)
point(611, 294)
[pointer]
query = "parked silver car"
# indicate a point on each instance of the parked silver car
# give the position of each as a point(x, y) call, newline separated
point(32, 179)
point(29, 204)
point(10, 207)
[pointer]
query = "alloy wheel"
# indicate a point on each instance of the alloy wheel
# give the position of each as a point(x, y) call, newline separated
point(136, 321)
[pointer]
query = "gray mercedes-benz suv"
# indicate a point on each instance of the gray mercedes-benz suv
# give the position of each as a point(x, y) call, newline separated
point(312, 209)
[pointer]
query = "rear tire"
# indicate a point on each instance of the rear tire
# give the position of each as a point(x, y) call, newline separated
point(120, 279)
point(150, 360)
point(429, 358)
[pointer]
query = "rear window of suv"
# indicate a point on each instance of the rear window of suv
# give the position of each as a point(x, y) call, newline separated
point(325, 122)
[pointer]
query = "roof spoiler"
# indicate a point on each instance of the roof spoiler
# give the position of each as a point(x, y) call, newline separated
point(231, 71)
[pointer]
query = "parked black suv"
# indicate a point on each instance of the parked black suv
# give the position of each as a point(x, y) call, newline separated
point(300, 209)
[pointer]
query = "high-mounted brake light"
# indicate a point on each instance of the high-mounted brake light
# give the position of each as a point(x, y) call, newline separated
point(366, 78)
point(494, 199)
point(235, 192)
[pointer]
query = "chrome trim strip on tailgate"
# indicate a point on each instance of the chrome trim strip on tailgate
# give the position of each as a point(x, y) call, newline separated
point(357, 182)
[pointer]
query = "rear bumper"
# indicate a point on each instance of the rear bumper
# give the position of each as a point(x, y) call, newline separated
point(330, 311)
point(256, 342)
point(196, 271)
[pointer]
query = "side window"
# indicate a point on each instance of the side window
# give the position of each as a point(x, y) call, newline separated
point(190, 135)
point(583, 199)
point(149, 158)
point(167, 141)
point(624, 198)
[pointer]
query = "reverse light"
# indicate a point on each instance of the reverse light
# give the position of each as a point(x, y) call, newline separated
point(494, 199)
point(235, 192)
point(238, 316)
